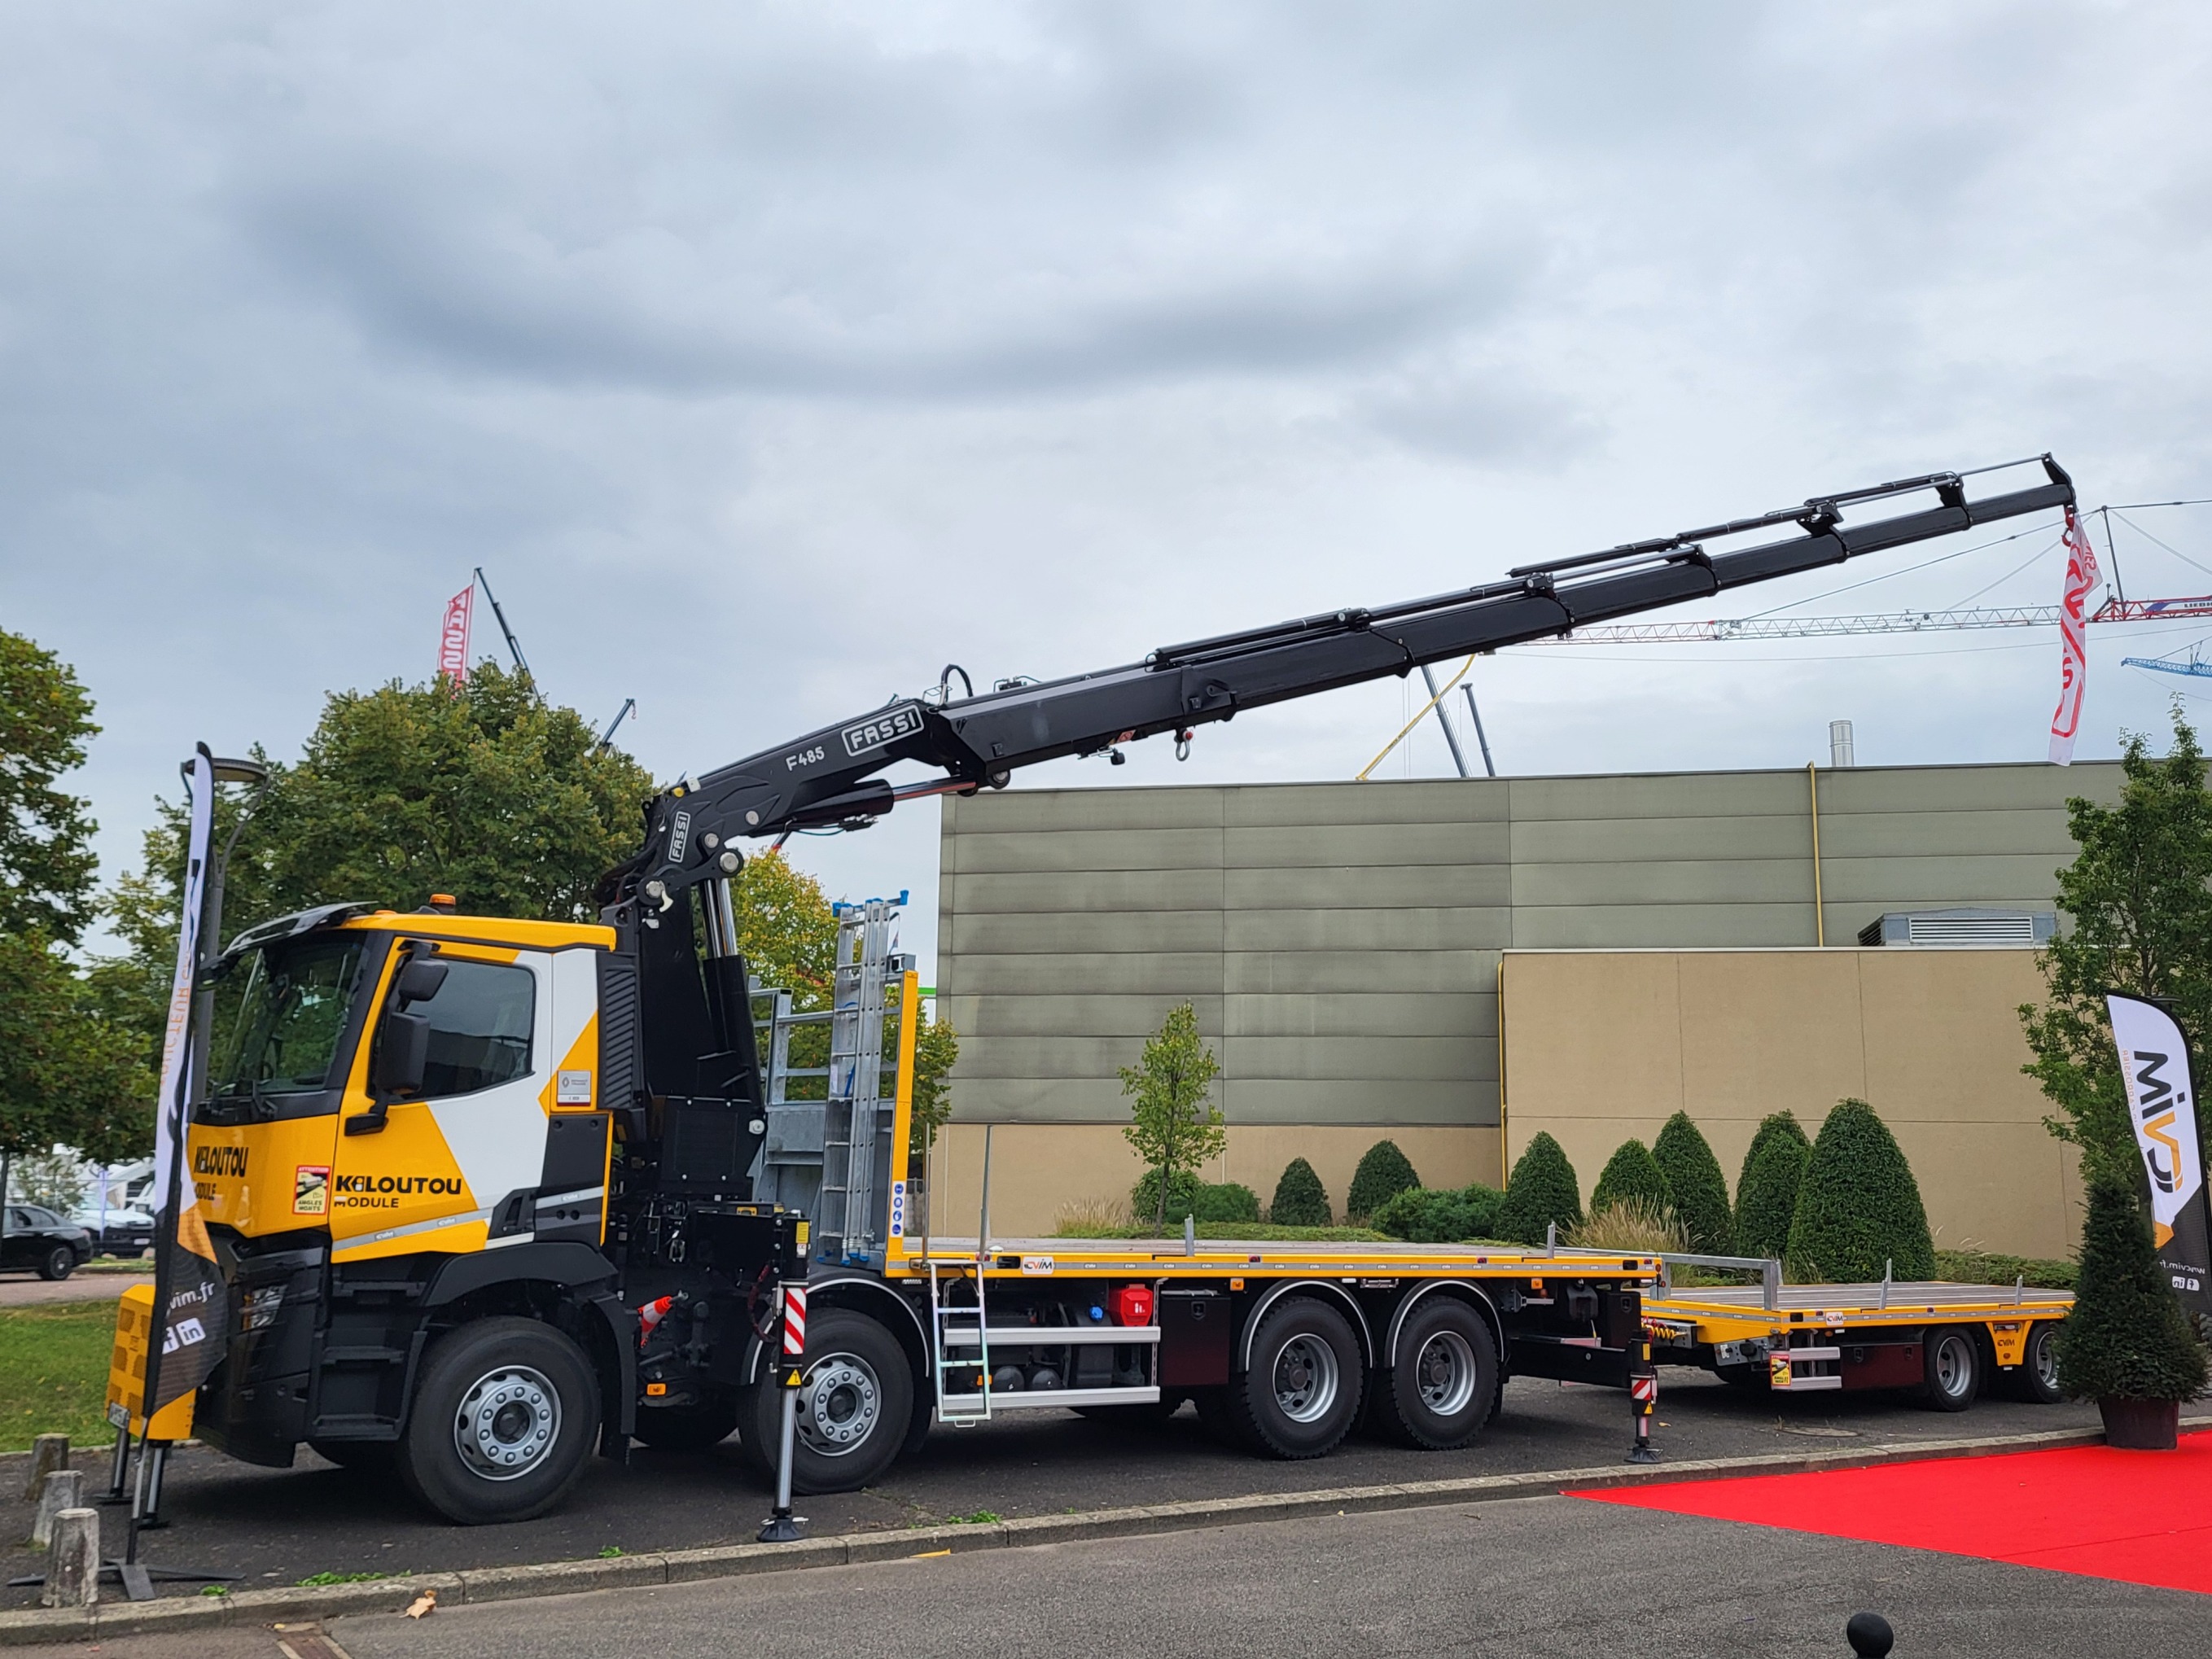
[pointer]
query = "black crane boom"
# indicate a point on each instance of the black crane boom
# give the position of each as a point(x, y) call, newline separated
point(828, 777)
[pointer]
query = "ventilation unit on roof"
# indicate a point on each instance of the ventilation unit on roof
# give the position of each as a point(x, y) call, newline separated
point(1961, 927)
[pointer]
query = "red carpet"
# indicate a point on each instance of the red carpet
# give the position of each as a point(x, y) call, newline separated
point(2140, 1517)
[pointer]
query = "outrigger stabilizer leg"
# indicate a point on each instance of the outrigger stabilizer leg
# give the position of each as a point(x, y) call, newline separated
point(1643, 1399)
point(782, 1526)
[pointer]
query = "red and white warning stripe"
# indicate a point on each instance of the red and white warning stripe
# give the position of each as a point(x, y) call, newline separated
point(1643, 1390)
point(794, 1320)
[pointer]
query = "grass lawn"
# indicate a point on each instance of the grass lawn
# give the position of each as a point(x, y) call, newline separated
point(53, 1372)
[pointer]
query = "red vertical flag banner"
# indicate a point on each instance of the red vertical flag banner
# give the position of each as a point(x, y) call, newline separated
point(190, 1297)
point(453, 637)
point(2082, 579)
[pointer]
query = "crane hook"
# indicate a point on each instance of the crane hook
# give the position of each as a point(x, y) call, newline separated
point(1182, 743)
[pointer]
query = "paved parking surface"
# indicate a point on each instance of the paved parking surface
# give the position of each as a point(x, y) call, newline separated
point(280, 1526)
point(1540, 1576)
point(29, 1290)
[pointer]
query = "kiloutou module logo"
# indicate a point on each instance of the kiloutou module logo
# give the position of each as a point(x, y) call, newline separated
point(220, 1161)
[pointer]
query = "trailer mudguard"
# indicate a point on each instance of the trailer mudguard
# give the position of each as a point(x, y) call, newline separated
point(566, 1262)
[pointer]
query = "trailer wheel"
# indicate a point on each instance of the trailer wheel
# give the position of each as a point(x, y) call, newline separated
point(502, 1421)
point(2036, 1379)
point(1953, 1367)
point(1302, 1394)
point(688, 1428)
point(855, 1406)
point(1442, 1377)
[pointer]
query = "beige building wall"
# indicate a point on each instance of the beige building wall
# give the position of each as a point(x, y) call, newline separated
point(1341, 942)
point(1602, 1045)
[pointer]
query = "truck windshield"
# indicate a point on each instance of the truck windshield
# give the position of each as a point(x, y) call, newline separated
point(281, 1028)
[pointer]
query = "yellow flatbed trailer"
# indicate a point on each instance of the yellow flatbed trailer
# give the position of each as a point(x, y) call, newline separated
point(1953, 1342)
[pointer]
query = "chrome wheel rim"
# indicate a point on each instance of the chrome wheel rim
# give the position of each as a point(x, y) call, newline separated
point(840, 1404)
point(507, 1423)
point(1305, 1378)
point(1443, 1372)
point(1953, 1366)
point(2047, 1361)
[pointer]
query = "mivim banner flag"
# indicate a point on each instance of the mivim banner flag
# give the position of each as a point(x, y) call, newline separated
point(2162, 1106)
point(191, 1300)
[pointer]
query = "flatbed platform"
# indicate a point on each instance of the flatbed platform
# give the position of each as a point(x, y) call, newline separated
point(1950, 1340)
point(1174, 1258)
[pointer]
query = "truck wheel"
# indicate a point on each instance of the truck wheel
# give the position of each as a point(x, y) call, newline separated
point(2036, 1379)
point(502, 1421)
point(1443, 1376)
point(1953, 1367)
point(59, 1263)
point(855, 1406)
point(1302, 1394)
point(688, 1428)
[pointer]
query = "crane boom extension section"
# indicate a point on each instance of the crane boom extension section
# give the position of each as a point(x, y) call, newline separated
point(828, 777)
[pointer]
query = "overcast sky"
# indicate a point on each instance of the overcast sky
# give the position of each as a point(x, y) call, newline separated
point(769, 358)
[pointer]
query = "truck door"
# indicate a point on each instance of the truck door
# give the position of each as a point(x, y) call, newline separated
point(456, 1162)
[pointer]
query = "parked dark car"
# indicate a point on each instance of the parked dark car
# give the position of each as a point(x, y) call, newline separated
point(116, 1231)
point(35, 1236)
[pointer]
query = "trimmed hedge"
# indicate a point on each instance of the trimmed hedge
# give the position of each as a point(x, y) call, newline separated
point(1859, 1206)
point(1987, 1267)
point(1444, 1216)
point(1542, 1189)
point(1189, 1196)
point(2128, 1337)
point(1695, 1186)
point(1630, 1172)
point(1300, 1199)
point(1382, 1174)
point(1766, 1194)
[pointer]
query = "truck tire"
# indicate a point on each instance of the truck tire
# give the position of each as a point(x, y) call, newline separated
point(1303, 1392)
point(688, 1428)
point(502, 1421)
point(855, 1407)
point(2036, 1378)
point(1953, 1367)
point(1443, 1376)
point(58, 1262)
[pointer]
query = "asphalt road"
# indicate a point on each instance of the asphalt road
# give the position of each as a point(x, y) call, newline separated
point(1540, 1576)
point(102, 1285)
point(277, 1526)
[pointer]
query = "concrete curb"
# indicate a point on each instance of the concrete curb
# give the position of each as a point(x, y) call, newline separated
point(487, 1584)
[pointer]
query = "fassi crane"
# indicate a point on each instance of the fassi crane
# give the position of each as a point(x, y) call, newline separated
point(828, 777)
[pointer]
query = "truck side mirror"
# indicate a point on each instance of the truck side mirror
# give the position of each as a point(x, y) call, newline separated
point(419, 980)
point(403, 1054)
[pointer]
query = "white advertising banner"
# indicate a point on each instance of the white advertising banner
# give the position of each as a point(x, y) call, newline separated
point(2082, 579)
point(2162, 1108)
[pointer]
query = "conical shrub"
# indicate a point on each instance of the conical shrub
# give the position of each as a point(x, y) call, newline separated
point(1766, 1193)
point(1542, 1190)
point(1300, 1199)
point(1630, 1173)
point(1382, 1174)
point(2127, 1337)
point(1859, 1206)
point(1695, 1186)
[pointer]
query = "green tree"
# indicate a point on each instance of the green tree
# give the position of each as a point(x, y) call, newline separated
point(1176, 1126)
point(46, 860)
point(936, 1051)
point(2127, 1337)
point(1858, 1208)
point(1382, 1173)
point(69, 1073)
point(786, 929)
point(1542, 1191)
point(1766, 1191)
point(1631, 1173)
point(485, 791)
point(1300, 1199)
point(2139, 897)
point(1695, 1186)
